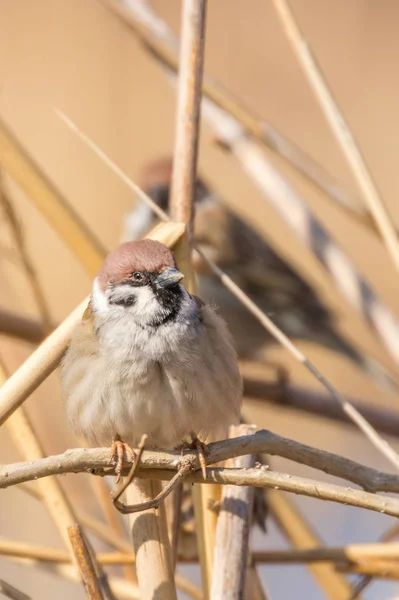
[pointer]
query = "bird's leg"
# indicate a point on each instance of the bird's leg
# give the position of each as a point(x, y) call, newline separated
point(196, 444)
point(119, 449)
point(202, 450)
point(128, 480)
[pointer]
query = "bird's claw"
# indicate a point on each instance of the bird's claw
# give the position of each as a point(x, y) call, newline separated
point(202, 450)
point(119, 450)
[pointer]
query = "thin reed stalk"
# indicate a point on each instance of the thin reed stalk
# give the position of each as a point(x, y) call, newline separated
point(232, 533)
point(191, 61)
point(85, 564)
point(151, 543)
point(340, 128)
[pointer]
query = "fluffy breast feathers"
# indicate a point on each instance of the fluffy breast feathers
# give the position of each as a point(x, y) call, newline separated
point(182, 377)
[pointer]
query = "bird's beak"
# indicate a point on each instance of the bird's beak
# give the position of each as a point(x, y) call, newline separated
point(168, 278)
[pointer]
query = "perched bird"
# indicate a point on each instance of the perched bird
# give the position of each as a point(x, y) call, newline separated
point(277, 289)
point(149, 358)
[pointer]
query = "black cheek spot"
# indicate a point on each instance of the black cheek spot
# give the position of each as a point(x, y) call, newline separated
point(129, 301)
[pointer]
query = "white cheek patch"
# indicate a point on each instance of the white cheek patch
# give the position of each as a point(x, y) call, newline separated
point(146, 305)
point(98, 298)
point(143, 310)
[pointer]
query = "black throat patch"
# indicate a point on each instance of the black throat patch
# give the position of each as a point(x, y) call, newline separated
point(171, 300)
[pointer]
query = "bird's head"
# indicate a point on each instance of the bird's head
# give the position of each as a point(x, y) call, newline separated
point(139, 279)
point(155, 179)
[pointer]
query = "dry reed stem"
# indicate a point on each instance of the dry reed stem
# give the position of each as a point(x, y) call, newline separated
point(301, 534)
point(279, 481)
point(114, 522)
point(205, 528)
point(163, 465)
point(365, 581)
point(173, 506)
point(84, 561)
point(21, 167)
point(232, 533)
point(254, 589)
point(54, 499)
point(339, 127)
point(111, 165)
point(9, 591)
point(38, 366)
point(375, 559)
point(58, 562)
point(381, 569)
point(19, 238)
point(162, 45)
point(205, 519)
point(191, 63)
point(124, 590)
point(262, 442)
point(14, 549)
point(112, 517)
point(378, 442)
point(27, 444)
point(205, 524)
point(272, 390)
point(351, 553)
point(20, 327)
point(151, 543)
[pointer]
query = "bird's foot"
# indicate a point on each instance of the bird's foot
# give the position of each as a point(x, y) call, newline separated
point(119, 450)
point(202, 450)
point(135, 463)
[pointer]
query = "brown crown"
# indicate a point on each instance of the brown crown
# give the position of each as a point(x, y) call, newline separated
point(144, 255)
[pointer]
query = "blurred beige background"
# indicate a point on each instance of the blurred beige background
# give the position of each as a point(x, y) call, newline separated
point(77, 56)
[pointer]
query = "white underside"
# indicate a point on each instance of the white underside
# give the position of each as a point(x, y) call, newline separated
point(167, 382)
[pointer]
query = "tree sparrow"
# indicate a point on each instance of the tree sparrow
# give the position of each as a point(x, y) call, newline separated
point(272, 283)
point(148, 357)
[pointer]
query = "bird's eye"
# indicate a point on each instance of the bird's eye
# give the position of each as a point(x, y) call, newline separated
point(137, 276)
